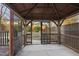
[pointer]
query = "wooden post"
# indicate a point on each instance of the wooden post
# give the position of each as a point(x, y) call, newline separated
point(25, 39)
point(49, 32)
point(41, 32)
point(59, 33)
point(31, 32)
point(11, 42)
point(58, 24)
point(21, 34)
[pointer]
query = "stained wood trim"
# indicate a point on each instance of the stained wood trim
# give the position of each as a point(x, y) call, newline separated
point(70, 36)
point(11, 44)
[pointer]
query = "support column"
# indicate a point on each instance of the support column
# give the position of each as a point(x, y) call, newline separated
point(41, 32)
point(21, 34)
point(31, 32)
point(59, 33)
point(59, 30)
point(49, 32)
point(58, 24)
point(11, 41)
point(25, 38)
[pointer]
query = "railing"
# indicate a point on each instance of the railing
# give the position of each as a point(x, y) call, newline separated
point(27, 39)
point(71, 41)
point(50, 37)
point(4, 38)
point(54, 37)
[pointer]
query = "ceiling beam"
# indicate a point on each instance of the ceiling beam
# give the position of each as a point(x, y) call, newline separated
point(23, 11)
point(13, 7)
point(39, 17)
point(56, 11)
point(27, 9)
point(24, 7)
point(30, 10)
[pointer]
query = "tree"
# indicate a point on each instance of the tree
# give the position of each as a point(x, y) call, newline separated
point(37, 28)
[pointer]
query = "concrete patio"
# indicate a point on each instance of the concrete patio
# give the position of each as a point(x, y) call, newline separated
point(47, 50)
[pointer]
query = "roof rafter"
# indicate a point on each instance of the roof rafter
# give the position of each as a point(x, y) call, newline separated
point(46, 11)
point(31, 9)
point(56, 11)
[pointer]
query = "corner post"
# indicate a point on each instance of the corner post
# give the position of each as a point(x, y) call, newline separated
point(11, 42)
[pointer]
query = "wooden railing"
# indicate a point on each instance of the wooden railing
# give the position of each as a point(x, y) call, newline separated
point(4, 38)
point(71, 41)
point(54, 37)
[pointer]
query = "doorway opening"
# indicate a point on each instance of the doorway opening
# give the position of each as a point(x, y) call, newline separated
point(36, 32)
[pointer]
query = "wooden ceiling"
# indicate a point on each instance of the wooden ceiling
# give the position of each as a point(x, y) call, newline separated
point(46, 11)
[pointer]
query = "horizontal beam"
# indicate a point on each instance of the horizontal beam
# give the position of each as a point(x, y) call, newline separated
point(39, 18)
point(56, 11)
